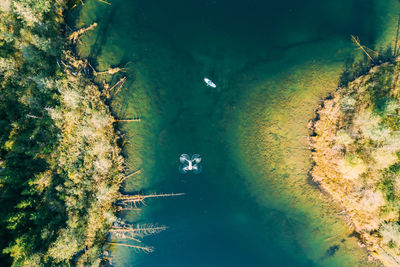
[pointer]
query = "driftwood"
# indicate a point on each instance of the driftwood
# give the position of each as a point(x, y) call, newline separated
point(111, 71)
point(123, 230)
point(73, 37)
point(82, 3)
point(127, 120)
point(142, 197)
point(130, 175)
point(139, 230)
point(75, 62)
point(395, 52)
point(105, 2)
point(141, 248)
point(108, 91)
point(32, 116)
point(356, 42)
point(120, 83)
point(120, 208)
point(127, 201)
point(93, 69)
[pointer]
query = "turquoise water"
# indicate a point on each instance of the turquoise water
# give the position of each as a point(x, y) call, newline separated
point(252, 205)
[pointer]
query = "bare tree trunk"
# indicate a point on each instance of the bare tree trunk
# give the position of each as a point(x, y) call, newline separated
point(122, 230)
point(120, 83)
point(128, 120)
point(107, 90)
point(142, 248)
point(73, 37)
point(356, 41)
point(133, 201)
point(127, 208)
point(111, 71)
point(397, 37)
point(134, 197)
point(32, 116)
point(105, 2)
point(146, 230)
point(130, 175)
point(93, 69)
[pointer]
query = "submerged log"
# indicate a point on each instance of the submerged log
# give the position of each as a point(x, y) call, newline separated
point(73, 37)
point(128, 120)
point(93, 69)
point(105, 2)
point(111, 71)
point(120, 83)
point(127, 231)
point(132, 201)
point(141, 248)
point(140, 230)
point(356, 41)
point(75, 62)
point(142, 197)
point(397, 38)
point(127, 208)
point(32, 116)
point(130, 175)
point(108, 91)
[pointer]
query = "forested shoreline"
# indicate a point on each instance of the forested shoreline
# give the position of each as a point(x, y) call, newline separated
point(355, 143)
point(60, 164)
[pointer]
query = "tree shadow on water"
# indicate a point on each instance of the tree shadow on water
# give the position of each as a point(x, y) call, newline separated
point(356, 68)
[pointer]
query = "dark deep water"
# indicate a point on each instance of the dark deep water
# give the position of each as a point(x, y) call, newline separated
point(169, 46)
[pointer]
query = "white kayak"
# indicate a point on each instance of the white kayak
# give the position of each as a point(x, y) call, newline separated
point(209, 83)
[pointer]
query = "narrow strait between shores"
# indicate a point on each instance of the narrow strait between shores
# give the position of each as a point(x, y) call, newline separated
point(272, 62)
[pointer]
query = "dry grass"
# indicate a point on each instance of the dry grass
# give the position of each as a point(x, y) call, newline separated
point(356, 145)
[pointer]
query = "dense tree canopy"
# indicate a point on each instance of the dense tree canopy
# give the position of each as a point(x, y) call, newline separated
point(59, 162)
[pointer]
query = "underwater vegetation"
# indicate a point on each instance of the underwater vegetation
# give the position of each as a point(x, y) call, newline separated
point(60, 161)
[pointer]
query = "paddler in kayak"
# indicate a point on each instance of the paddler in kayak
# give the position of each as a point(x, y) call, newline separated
point(209, 83)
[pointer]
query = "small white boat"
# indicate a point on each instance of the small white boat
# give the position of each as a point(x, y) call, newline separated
point(209, 83)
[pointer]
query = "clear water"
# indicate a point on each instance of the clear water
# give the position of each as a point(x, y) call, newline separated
point(272, 61)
